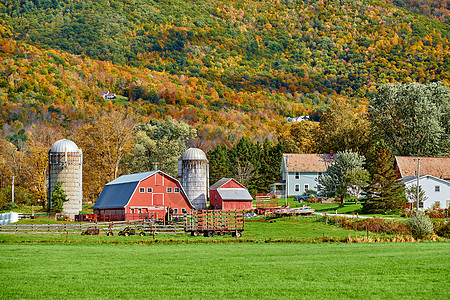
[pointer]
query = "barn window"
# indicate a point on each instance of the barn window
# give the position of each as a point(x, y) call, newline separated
point(149, 190)
point(183, 211)
point(297, 175)
point(141, 190)
point(297, 188)
point(437, 188)
point(169, 190)
point(175, 211)
point(176, 190)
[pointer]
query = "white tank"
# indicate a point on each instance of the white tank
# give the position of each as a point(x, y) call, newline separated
point(65, 164)
point(193, 174)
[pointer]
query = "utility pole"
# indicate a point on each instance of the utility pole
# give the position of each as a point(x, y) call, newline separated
point(287, 176)
point(418, 180)
point(12, 190)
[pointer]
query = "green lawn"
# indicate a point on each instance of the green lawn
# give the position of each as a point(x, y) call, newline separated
point(225, 271)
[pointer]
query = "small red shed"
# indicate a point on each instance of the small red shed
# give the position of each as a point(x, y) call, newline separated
point(228, 194)
point(145, 195)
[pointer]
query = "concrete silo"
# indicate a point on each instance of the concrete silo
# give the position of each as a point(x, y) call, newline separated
point(65, 165)
point(193, 174)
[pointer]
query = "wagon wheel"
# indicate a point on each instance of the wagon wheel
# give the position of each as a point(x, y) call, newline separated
point(126, 234)
point(142, 233)
point(110, 233)
point(210, 233)
point(194, 233)
point(238, 234)
point(221, 233)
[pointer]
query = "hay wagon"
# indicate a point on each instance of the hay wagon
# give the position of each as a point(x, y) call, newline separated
point(212, 222)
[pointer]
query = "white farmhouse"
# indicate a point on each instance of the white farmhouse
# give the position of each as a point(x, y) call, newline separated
point(437, 191)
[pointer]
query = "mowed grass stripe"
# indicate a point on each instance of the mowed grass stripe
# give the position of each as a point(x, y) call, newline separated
point(266, 271)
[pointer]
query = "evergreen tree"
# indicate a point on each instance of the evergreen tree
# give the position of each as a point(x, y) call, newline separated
point(219, 164)
point(384, 194)
point(58, 198)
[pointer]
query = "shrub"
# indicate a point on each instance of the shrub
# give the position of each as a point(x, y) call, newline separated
point(442, 228)
point(420, 225)
point(8, 206)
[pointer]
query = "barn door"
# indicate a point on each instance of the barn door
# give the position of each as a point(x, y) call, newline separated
point(158, 199)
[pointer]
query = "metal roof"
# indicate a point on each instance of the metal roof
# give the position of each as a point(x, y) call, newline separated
point(219, 183)
point(63, 146)
point(194, 154)
point(137, 177)
point(116, 195)
point(235, 194)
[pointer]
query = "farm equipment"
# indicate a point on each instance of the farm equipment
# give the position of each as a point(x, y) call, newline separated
point(91, 231)
point(127, 231)
point(212, 222)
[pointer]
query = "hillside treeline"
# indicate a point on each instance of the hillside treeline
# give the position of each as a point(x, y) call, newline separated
point(118, 141)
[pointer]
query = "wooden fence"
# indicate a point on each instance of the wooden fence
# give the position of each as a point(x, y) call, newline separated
point(149, 228)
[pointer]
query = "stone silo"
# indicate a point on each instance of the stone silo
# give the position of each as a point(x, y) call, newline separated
point(193, 174)
point(65, 165)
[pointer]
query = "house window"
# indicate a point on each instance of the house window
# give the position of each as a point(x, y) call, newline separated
point(297, 175)
point(420, 204)
point(141, 190)
point(149, 190)
point(175, 211)
point(437, 188)
point(169, 190)
point(297, 188)
point(176, 190)
point(306, 187)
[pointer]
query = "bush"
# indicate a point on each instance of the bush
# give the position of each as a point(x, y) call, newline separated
point(442, 228)
point(9, 206)
point(420, 225)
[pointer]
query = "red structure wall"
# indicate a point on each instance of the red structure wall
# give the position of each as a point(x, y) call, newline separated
point(219, 203)
point(154, 195)
point(151, 200)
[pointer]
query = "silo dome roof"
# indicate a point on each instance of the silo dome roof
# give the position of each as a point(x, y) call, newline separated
point(64, 146)
point(194, 154)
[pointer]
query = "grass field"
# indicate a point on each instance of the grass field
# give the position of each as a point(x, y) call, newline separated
point(225, 271)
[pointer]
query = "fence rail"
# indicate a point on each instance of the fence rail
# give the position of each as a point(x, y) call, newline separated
point(103, 227)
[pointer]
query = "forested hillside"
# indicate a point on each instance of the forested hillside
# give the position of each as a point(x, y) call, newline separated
point(227, 68)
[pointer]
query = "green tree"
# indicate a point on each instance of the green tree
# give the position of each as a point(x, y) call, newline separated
point(343, 126)
point(345, 173)
point(384, 194)
point(58, 198)
point(161, 142)
point(219, 163)
point(413, 119)
point(411, 194)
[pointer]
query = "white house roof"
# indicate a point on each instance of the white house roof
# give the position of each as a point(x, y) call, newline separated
point(413, 179)
point(302, 162)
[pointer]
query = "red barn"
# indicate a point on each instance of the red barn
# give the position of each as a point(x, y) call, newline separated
point(228, 194)
point(145, 195)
